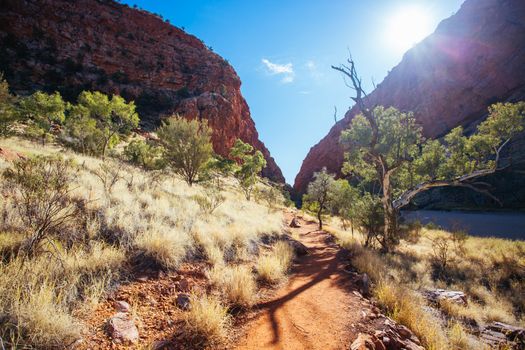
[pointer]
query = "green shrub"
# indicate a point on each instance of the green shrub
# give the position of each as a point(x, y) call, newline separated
point(144, 154)
point(188, 146)
point(41, 186)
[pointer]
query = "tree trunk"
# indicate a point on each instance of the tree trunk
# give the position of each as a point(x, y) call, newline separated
point(320, 217)
point(390, 229)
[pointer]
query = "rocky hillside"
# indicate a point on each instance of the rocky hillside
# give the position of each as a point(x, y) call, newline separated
point(72, 46)
point(473, 59)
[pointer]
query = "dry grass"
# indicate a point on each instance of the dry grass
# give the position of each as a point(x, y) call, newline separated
point(237, 283)
point(40, 294)
point(490, 271)
point(273, 267)
point(208, 320)
point(144, 214)
point(165, 250)
point(408, 308)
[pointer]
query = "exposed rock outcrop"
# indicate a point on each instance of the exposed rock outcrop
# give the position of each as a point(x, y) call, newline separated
point(437, 295)
point(72, 46)
point(504, 336)
point(473, 59)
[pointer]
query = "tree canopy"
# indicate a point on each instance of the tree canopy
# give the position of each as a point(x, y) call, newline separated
point(188, 146)
point(251, 164)
point(388, 157)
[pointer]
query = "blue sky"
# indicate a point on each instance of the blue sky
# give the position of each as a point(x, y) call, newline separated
point(282, 51)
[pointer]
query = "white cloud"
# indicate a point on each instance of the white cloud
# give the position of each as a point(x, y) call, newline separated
point(286, 70)
point(304, 92)
point(314, 71)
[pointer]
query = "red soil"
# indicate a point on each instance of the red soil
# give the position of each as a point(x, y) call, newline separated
point(316, 309)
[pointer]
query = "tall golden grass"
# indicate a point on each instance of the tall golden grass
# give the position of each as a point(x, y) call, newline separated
point(144, 217)
point(490, 271)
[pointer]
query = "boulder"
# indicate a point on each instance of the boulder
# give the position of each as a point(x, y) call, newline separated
point(437, 295)
point(121, 306)
point(367, 342)
point(121, 328)
point(365, 284)
point(183, 301)
point(294, 223)
point(502, 335)
point(298, 248)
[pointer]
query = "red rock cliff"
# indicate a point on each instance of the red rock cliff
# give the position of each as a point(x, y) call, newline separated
point(474, 58)
point(71, 46)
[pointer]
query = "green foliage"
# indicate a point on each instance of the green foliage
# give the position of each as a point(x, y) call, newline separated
point(144, 154)
point(387, 155)
point(188, 146)
point(8, 115)
point(251, 164)
point(42, 187)
point(368, 218)
point(114, 118)
point(343, 196)
point(43, 111)
point(319, 194)
point(82, 134)
point(398, 140)
point(211, 201)
point(271, 196)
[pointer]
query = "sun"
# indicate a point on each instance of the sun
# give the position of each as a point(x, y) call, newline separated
point(407, 26)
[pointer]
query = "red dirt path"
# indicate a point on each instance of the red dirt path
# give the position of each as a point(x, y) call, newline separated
point(316, 309)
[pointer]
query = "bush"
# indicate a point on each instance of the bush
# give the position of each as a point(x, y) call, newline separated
point(273, 267)
point(109, 174)
point(236, 282)
point(188, 146)
point(209, 202)
point(208, 320)
point(441, 253)
point(113, 118)
point(82, 135)
point(252, 163)
point(8, 115)
point(143, 154)
point(164, 250)
point(271, 196)
point(41, 187)
point(39, 295)
point(44, 111)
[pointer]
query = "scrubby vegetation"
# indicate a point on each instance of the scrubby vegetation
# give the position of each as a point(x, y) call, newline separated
point(388, 157)
point(388, 162)
point(74, 226)
point(489, 270)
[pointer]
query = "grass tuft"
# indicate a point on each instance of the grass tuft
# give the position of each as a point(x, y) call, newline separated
point(208, 320)
point(273, 267)
point(236, 282)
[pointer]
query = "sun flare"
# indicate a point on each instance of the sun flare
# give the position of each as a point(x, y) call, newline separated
point(407, 27)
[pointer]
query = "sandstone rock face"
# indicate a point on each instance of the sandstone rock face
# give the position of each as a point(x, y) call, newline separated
point(70, 46)
point(473, 59)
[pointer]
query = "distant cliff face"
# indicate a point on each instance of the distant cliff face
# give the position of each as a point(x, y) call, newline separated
point(474, 58)
point(78, 45)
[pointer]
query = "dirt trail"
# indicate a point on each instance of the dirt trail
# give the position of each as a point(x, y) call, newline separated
point(316, 308)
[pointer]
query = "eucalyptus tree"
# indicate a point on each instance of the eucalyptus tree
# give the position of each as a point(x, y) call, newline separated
point(251, 162)
point(385, 147)
point(187, 145)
